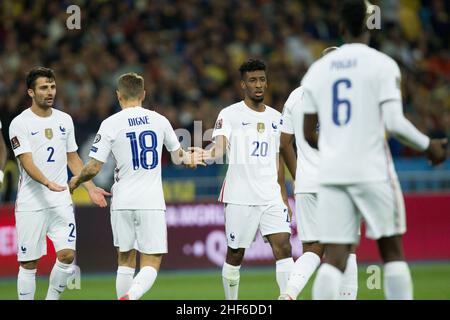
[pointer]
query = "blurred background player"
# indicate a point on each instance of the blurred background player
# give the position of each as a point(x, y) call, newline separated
point(3, 155)
point(43, 140)
point(135, 137)
point(355, 172)
point(304, 170)
point(249, 132)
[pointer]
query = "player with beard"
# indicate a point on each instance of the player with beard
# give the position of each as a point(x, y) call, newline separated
point(43, 140)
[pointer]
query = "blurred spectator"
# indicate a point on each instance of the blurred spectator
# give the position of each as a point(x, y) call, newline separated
point(189, 51)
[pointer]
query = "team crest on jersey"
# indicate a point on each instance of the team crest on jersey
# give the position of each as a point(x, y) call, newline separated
point(260, 127)
point(219, 124)
point(49, 133)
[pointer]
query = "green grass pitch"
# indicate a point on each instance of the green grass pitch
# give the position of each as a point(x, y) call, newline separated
point(431, 281)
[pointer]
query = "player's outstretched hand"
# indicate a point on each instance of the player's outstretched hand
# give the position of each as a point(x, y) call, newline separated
point(98, 195)
point(437, 151)
point(73, 183)
point(52, 186)
point(206, 155)
point(196, 156)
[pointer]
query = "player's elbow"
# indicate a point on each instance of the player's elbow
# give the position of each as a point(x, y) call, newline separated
point(395, 124)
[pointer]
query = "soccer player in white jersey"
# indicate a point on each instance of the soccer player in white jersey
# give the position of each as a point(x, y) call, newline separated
point(135, 137)
point(355, 95)
point(3, 154)
point(249, 132)
point(303, 169)
point(43, 140)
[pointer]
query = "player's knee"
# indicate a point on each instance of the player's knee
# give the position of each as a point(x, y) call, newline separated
point(29, 265)
point(127, 259)
point(314, 247)
point(66, 256)
point(282, 250)
point(391, 249)
point(235, 256)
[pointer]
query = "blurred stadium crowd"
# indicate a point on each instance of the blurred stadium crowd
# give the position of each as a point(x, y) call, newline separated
point(189, 51)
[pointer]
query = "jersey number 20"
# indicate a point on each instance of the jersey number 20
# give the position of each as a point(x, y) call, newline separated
point(140, 156)
point(341, 103)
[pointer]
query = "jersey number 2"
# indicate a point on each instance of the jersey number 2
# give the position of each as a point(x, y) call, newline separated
point(341, 103)
point(52, 151)
point(140, 157)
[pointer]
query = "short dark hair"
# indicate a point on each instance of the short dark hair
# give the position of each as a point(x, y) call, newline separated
point(328, 50)
point(252, 65)
point(38, 72)
point(130, 85)
point(353, 15)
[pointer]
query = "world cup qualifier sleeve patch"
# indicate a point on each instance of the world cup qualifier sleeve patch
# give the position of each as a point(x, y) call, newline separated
point(15, 143)
point(219, 124)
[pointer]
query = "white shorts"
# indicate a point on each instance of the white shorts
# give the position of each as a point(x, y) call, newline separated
point(341, 207)
point(242, 222)
point(143, 230)
point(305, 212)
point(33, 226)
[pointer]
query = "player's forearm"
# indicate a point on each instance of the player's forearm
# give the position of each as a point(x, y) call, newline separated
point(3, 153)
point(180, 157)
point(310, 129)
point(2, 158)
point(281, 178)
point(288, 153)
point(32, 170)
point(402, 128)
point(89, 171)
point(219, 148)
point(75, 165)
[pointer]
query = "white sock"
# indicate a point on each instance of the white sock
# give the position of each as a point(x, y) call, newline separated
point(349, 284)
point(26, 284)
point(142, 282)
point(397, 281)
point(58, 280)
point(328, 281)
point(230, 280)
point(283, 270)
point(124, 280)
point(303, 269)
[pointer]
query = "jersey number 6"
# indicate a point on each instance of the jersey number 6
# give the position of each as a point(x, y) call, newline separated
point(339, 103)
point(140, 157)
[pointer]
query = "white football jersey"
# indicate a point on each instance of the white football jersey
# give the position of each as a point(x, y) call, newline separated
point(307, 157)
point(135, 137)
point(254, 142)
point(346, 88)
point(49, 139)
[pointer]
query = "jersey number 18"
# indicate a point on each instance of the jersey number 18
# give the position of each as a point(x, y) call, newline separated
point(139, 153)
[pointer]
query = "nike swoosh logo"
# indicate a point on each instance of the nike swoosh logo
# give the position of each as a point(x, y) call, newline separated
point(245, 123)
point(71, 240)
point(34, 133)
point(62, 287)
point(24, 294)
